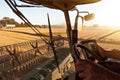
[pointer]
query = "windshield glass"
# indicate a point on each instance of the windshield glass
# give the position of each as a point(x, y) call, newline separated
point(32, 37)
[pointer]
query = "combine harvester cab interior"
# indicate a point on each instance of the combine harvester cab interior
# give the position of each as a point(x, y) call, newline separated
point(77, 48)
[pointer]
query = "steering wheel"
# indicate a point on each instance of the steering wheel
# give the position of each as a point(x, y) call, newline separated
point(79, 49)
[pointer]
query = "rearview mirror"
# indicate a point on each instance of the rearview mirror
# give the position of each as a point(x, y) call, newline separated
point(89, 17)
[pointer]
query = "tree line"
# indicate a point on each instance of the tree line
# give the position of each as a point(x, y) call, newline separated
point(7, 20)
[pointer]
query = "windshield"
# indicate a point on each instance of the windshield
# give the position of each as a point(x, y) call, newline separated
point(33, 36)
point(105, 21)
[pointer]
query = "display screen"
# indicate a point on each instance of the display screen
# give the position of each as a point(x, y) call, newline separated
point(90, 44)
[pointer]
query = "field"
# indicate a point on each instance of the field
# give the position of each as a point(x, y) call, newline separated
point(107, 38)
point(18, 35)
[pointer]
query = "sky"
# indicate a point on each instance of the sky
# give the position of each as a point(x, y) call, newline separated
point(106, 13)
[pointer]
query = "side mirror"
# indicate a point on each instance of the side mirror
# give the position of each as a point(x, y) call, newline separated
point(89, 17)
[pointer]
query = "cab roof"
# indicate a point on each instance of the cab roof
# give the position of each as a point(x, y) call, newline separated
point(59, 4)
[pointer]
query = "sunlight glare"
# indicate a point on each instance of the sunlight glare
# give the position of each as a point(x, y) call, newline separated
point(109, 13)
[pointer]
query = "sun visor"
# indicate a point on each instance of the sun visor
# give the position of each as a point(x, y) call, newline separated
point(60, 4)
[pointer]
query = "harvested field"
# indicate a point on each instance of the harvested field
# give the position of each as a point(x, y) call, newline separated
point(107, 38)
point(94, 33)
point(18, 35)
